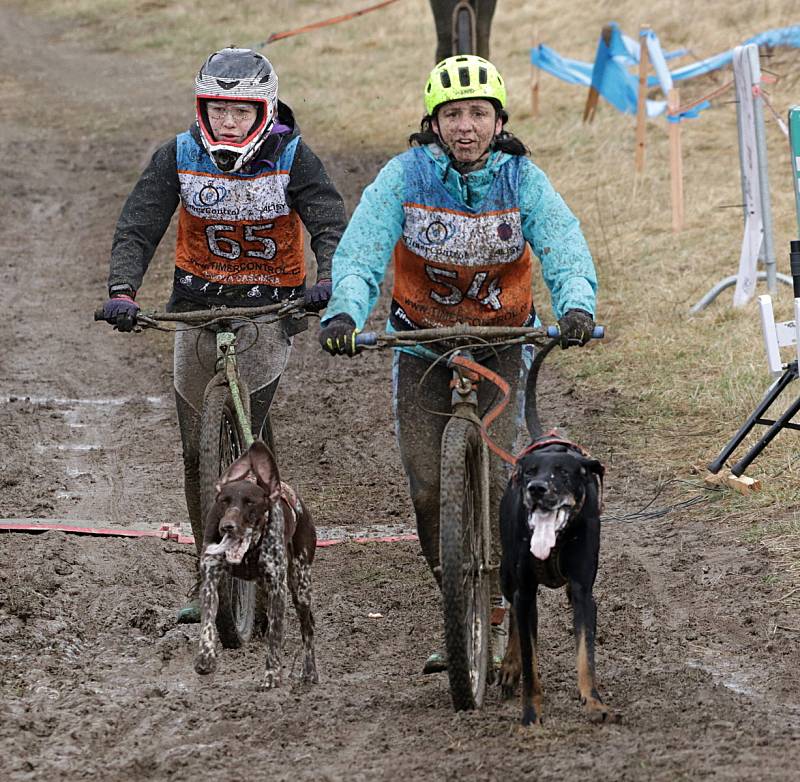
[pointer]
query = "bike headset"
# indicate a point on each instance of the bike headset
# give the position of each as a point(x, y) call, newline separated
point(236, 75)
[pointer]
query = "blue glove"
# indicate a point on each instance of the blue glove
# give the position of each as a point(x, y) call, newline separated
point(316, 298)
point(120, 311)
point(338, 336)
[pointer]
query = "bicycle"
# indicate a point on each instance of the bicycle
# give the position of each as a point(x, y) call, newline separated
point(465, 538)
point(225, 433)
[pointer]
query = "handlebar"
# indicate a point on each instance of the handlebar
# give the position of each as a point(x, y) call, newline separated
point(199, 317)
point(599, 332)
point(369, 339)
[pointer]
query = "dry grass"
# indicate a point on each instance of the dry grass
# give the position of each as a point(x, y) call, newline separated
point(683, 384)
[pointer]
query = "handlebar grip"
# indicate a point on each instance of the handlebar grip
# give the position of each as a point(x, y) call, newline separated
point(366, 339)
point(98, 314)
point(598, 333)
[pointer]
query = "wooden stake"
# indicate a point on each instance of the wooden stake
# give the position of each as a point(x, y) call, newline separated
point(591, 105)
point(641, 104)
point(743, 484)
point(675, 161)
point(597, 78)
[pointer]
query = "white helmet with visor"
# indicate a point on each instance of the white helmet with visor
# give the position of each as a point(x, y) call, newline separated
point(238, 76)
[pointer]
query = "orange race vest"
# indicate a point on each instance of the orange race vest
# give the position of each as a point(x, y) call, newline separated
point(456, 265)
point(237, 229)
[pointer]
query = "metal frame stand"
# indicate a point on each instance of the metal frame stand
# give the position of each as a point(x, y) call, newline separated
point(784, 422)
point(775, 335)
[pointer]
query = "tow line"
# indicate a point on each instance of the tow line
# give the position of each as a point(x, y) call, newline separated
point(175, 532)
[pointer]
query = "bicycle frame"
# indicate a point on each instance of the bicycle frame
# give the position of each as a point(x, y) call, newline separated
point(226, 365)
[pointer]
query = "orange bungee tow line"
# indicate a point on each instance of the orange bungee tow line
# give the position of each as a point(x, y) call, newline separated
point(549, 438)
point(324, 23)
point(486, 421)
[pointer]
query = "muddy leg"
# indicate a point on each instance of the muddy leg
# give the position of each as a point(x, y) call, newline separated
point(273, 578)
point(299, 573)
point(419, 435)
point(527, 621)
point(585, 621)
point(511, 666)
point(211, 568)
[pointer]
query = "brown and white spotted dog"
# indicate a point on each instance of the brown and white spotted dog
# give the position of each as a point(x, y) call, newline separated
point(550, 533)
point(258, 528)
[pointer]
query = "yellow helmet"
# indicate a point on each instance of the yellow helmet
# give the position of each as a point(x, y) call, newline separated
point(464, 76)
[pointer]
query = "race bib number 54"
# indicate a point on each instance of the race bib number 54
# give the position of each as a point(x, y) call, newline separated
point(485, 293)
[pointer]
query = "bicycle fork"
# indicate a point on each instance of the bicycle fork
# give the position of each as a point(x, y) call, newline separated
point(464, 402)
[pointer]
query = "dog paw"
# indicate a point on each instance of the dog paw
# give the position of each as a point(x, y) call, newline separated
point(271, 680)
point(507, 680)
point(598, 712)
point(310, 675)
point(530, 718)
point(205, 664)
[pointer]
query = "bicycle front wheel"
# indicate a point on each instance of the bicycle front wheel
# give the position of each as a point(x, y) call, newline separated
point(463, 526)
point(221, 443)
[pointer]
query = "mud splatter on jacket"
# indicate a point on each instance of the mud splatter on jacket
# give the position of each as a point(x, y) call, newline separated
point(403, 207)
point(304, 191)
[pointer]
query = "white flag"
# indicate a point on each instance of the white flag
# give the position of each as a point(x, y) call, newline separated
point(747, 72)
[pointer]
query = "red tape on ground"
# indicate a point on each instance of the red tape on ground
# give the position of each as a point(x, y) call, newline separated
point(165, 533)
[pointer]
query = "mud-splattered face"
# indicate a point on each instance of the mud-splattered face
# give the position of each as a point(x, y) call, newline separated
point(467, 127)
point(553, 487)
point(231, 122)
point(242, 507)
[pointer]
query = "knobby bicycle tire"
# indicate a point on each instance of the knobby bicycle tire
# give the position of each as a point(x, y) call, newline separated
point(465, 581)
point(221, 442)
point(463, 31)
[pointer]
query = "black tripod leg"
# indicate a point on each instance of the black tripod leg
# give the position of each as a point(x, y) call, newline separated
point(767, 437)
point(772, 394)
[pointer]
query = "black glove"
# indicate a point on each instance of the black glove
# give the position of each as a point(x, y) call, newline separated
point(338, 336)
point(317, 296)
point(576, 327)
point(120, 311)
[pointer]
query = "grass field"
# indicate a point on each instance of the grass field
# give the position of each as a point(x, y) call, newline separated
point(680, 385)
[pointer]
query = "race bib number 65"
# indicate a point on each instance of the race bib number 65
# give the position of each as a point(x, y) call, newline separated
point(224, 241)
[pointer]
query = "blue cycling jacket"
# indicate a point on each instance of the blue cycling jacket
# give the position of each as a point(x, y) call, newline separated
point(379, 222)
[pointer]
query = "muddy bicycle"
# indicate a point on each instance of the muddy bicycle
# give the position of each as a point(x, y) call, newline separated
point(465, 539)
point(225, 431)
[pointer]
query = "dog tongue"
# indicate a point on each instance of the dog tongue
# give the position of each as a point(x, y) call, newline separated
point(237, 549)
point(544, 533)
point(233, 549)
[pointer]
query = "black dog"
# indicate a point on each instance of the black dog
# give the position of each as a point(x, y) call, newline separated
point(550, 534)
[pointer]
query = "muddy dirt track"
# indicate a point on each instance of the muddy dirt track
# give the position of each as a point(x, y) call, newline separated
point(696, 648)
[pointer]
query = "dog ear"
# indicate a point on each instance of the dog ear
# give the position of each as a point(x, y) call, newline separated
point(263, 465)
point(236, 472)
point(592, 465)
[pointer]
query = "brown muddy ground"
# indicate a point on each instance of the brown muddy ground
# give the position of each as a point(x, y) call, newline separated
point(696, 648)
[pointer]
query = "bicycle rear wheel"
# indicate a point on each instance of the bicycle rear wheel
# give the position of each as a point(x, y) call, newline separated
point(464, 29)
point(221, 443)
point(463, 544)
